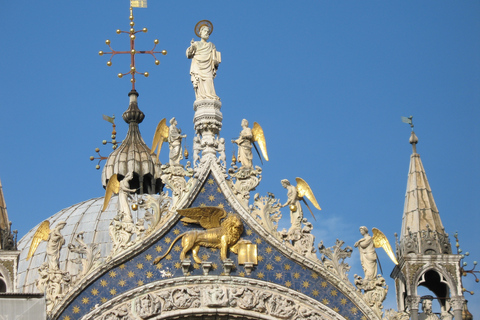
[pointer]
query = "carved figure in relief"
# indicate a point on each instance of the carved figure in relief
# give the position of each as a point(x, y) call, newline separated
point(223, 236)
point(205, 60)
point(175, 142)
point(147, 306)
point(216, 297)
point(427, 313)
point(281, 307)
point(368, 256)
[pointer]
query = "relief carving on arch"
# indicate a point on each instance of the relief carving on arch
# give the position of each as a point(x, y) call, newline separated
point(191, 297)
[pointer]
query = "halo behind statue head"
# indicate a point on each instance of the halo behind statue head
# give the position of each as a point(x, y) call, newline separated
point(201, 24)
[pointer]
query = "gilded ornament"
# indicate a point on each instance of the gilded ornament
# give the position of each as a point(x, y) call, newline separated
point(222, 235)
point(259, 137)
point(160, 136)
point(40, 235)
point(380, 240)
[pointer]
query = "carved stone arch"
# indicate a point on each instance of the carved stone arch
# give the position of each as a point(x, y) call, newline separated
point(6, 278)
point(238, 298)
point(438, 281)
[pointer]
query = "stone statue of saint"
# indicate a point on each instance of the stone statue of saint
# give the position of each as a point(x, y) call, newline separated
point(205, 61)
point(427, 310)
point(54, 244)
point(244, 143)
point(175, 142)
point(368, 256)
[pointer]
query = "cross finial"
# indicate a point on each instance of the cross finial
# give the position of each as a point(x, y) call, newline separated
point(133, 52)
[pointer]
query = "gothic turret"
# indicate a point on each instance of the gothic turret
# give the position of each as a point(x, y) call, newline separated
point(424, 251)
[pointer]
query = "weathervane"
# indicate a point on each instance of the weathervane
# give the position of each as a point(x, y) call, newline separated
point(408, 120)
point(132, 33)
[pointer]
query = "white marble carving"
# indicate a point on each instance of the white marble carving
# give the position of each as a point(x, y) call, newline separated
point(266, 211)
point(333, 258)
point(54, 244)
point(368, 256)
point(88, 256)
point(244, 143)
point(205, 60)
point(427, 313)
point(296, 212)
point(54, 283)
point(175, 137)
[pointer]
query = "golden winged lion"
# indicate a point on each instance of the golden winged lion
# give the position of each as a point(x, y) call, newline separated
point(222, 235)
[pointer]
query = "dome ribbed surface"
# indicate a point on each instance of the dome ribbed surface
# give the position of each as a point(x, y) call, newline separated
point(83, 217)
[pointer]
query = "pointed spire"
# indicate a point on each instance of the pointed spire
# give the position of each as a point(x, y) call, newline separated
point(4, 222)
point(422, 229)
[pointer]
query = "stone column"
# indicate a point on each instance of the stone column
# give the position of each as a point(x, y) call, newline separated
point(457, 306)
point(413, 302)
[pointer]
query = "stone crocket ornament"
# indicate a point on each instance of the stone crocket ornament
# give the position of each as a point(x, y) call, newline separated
point(221, 235)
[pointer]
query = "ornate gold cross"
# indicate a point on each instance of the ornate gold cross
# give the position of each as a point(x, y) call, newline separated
point(133, 52)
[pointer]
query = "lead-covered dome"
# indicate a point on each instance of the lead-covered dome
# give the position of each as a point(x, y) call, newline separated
point(84, 219)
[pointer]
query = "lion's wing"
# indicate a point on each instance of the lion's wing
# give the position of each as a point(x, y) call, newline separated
point(207, 217)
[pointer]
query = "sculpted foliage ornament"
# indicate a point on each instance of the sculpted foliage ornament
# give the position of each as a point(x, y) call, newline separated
point(333, 258)
point(302, 241)
point(89, 256)
point(266, 211)
point(222, 235)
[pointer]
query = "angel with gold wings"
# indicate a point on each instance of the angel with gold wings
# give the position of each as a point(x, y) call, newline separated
point(173, 136)
point(246, 140)
point(295, 194)
point(54, 239)
point(221, 235)
point(368, 255)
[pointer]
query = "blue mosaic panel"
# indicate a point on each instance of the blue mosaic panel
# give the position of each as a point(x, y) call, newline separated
point(272, 266)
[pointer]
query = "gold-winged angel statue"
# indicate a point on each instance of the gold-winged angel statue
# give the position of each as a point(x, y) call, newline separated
point(54, 244)
point(160, 136)
point(221, 235)
point(247, 138)
point(294, 195)
point(173, 136)
point(122, 189)
point(368, 255)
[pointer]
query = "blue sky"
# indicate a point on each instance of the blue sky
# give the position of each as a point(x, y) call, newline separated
point(327, 80)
